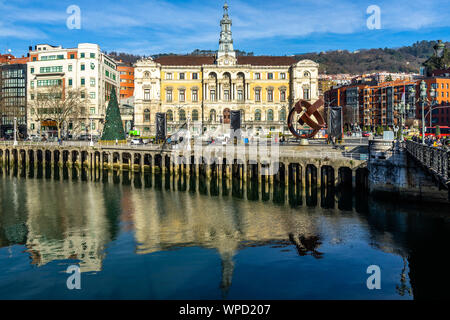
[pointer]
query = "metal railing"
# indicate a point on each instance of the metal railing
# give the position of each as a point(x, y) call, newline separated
point(260, 149)
point(47, 143)
point(435, 159)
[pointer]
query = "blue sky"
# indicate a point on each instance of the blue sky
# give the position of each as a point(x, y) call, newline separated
point(281, 27)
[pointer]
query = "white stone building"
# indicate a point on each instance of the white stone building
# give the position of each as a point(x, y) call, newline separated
point(84, 67)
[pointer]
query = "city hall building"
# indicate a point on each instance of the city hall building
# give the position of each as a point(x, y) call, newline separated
point(201, 91)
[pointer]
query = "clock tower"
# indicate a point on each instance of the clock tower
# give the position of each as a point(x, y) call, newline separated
point(226, 54)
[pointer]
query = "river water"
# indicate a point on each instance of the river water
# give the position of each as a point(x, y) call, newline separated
point(154, 238)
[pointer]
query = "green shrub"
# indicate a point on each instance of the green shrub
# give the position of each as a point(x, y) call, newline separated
point(438, 131)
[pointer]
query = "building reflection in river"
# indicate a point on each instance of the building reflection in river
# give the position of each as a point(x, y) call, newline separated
point(57, 220)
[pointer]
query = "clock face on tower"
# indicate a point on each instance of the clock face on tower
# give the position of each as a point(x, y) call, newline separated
point(226, 60)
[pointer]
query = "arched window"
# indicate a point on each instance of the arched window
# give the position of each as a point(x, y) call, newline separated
point(306, 74)
point(194, 115)
point(146, 115)
point(212, 115)
point(227, 76)
point(146, 74)
point(270, 115)
point(282, 115)
point(182, 115)
point(258, 115)
point(226, 115)
point(169, 115)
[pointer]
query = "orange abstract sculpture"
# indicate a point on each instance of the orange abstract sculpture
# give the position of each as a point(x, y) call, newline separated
point(309, 115)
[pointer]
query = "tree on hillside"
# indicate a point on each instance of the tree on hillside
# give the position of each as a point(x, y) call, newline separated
point(58, 104)
point(436, 63)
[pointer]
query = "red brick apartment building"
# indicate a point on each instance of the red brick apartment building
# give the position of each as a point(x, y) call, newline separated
point(126, 73)
point(375, 105)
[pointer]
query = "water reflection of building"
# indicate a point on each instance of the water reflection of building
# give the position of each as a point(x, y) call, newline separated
point(226, 227)
point(420, 236)
point(60, 220)
point(68, 231)
point(13, 228)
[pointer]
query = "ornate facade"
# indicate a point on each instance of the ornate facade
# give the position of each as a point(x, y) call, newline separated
point(202, 90)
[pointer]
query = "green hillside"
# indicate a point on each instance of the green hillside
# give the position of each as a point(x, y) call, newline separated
point(403, 59)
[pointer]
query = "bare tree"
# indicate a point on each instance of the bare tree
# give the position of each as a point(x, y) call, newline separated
point(58, 104)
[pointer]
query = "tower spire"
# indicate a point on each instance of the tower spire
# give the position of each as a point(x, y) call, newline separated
point(225, 9)
point(226, 38)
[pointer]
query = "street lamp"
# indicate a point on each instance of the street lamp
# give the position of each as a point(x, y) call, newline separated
point(402, 111)
point(423, 99)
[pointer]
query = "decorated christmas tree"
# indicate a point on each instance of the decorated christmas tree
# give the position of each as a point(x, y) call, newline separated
point(113, 129)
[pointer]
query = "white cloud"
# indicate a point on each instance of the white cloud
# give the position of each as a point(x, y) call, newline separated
point(6, 31)
point(163, 25)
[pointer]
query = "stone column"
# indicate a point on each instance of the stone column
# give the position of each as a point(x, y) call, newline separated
point(109, 161)
point(19, 159)
point(208, 171)
point(197, 167)
point(60, 158)
point(248, 172)
point(35, 159)
point(353, 178)
point(90, 161)
point(131, 162)
point(303, 175)
point(70, 158)
point(154, 166)
point(5, 158)
point(259, 173)
point(52, 158)
point(188, 168)
point(269, 169)
point(163, 164)
point(286, 174)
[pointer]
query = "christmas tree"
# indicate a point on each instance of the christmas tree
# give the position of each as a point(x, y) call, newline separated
point(113, 129)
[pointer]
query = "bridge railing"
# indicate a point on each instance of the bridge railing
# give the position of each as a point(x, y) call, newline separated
point(47, 143)
point(435, 159)
point(266, 150)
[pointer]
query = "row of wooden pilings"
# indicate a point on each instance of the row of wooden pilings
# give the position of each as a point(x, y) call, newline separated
point(287, 170)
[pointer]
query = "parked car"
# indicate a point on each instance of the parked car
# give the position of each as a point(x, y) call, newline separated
point(68, 137)
point(137, 141)
point(84, 137)
point(34, 138)
point(366, 134)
